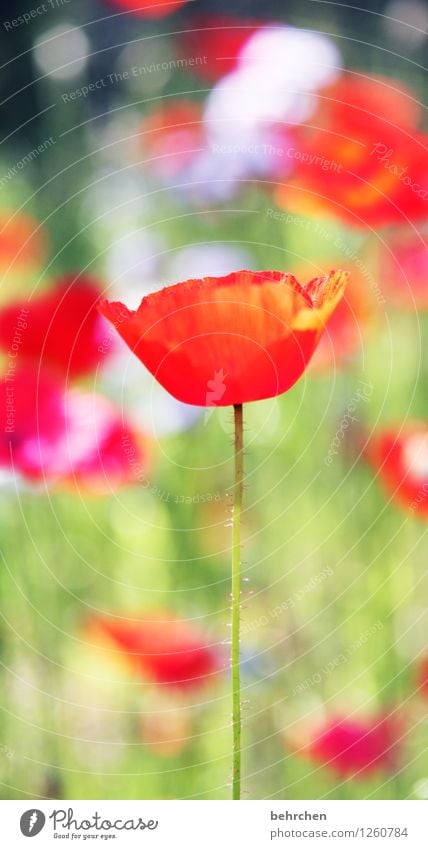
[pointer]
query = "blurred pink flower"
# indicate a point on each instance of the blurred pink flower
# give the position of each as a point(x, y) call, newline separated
point(65, 438)
point(356, 747)
point(403, 270)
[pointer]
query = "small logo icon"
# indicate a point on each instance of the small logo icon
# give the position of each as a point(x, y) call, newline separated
point(215, 391)
point(32, 822)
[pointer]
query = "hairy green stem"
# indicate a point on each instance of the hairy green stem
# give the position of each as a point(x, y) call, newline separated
point(236, 601)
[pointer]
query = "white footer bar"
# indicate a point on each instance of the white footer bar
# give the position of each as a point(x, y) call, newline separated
point(215, 825)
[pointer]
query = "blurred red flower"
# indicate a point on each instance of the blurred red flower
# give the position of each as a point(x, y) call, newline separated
point(23, 242)
point(229, 340)
point(355, 747)
point(64, 438)
point(357, 161)
point(403, 269)
point(165, 651)
point(61, 329)
point(149, 8)
point(218, 40)
point(352, 96)
point(400, 456)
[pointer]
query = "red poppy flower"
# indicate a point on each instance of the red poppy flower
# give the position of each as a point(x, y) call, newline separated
point(229, 340)
point(23, 243)
point(400, 456)
point(172, 136)
point(346, 327)
point(354, 747)
point(218, 39)
point(360, 165)
point(65, 438)
point(166, 651)
point(149, 8)
point(403, 269)
point(60, 329)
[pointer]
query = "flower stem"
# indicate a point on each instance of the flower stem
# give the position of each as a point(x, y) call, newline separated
point(236, 600)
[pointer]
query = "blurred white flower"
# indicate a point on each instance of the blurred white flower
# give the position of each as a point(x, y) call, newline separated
point(208, 260)
point(291, 56)
point(62, 51)
point(244, 101)
point(279, 69)
point(240, 147)
point(132, 263)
